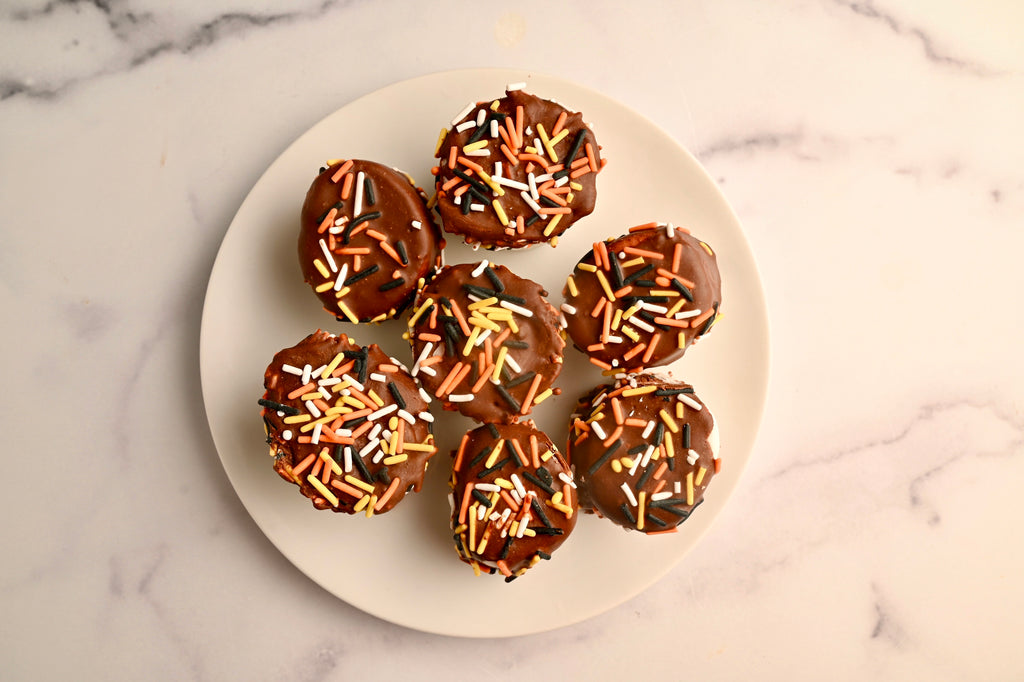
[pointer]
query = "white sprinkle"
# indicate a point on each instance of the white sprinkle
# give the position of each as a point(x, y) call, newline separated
point(286, 434)
point(509, 183)
point(465, 125)
point(313, 409)
point(315, 374)
point(569, 309)
point(644, 305)
point(457, 200)
point(331, 381)
point(377, 376)
point(493, 517)
point(342, 276)
point(516, 496)
point(561, 181)
point(328, 256)
point(640, 323)
point(404, 414)
point(683, 314)
point(477, 207)
point(692, 456)
point(479, 269)
point(615, 362)
point(516, 308)
point(596, 426)
point(521, 528)
point(566, 478)
point(678, 487)
point(481, 512)
point(378, 456)
point(374, 432)
point(382, 412)
point(461, 398)
point(533, 187)
point(426, 416)
point(462, 114)
point(614, 339)
point(478, 152)
point(306, 372)
point(426, 399)
point(515, 86)
point(487, 487)
point(291, 370)
point(670, 230)
point(416, 224)
point(423, 356)
point(687, 400)
point(663, 495)
point(483, 337)
point(368, 447)
point(429, 371)
point(315, 438)
point(494, 127)
point(347, 453)
point(629, 493)
point(538, 146)
point(481, 116)
point(530, 202)
point(647, 456)
point(519, 485)
point(543, 177)
point(636, 465)
point(511, 362)
point(497, 170)
point(352, 382)
point(360, 179)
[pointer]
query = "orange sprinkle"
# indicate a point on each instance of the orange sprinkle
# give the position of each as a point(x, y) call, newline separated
point(502, 566)
point(555, 211)
point(505, 136)
point(601, 255)
point(590, 157)
point(520, 455)
point(388, 367)
point(471, 164)
point(539, 160)
point(515, 141)
point(529, 167)
point(463, 325)
point(433, 317)
point(597, 308)
point(677, 255)
point(581, 425)
point(529, 394)
point(501, 337)
point(633, 351)
point(481, 380)
point(624, 291)
point(519, 122)
point(361, 429)
point(465, 504)
point(534, 454)
point(451, 183)
point(452, 373)
point(304, 464)
point(520, 225)
point(432, 360)
point(617, 411)
point(582, 161)
point(595, 346)
point(696, 322)
point(427, 336)
point(661, 484)
point(344, 168)
point(300, 390)
point(322, 405)
point(613, 436)
point(718, 465)
point(600, 363)
point(509, 500)
point(346, 187)
point(566, 493)
point(453, 152)
point(651, 346)
point(317, 466)
point(326, 474)
point(388, 249)
point(509, 155)
point(388, 493)
point(460, 190)
point(674, 529)
point(671, 275)
point(354, 251)
point(559, 123)
point(461, 450)
point(660, 470)
point(328, 220)
point(356, 415)
point(670, 322)
point(556, 197)
point(376, 235)
point(346, 488)
point(462, 375)
point(580, 173)
point(634, 421)
point(489, 350)
point(645, 226)
point(633, 251)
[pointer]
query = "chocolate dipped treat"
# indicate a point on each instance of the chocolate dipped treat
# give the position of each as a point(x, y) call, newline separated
point(367, 240)
point(486, 342)
point(640, 300)
point(348, 425)
point(515, 171)
point(643, 451)
point(513, 498)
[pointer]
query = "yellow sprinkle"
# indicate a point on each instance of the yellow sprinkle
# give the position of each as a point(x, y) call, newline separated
point(616, 319)
point(665, 292)
point(358, 404)
point(571, 283)
point(552, 224)
point(531, 149)
point(393, 423)
point(640, 510)
point(393, 448)
point(348, 313)
point(476, 569)
point(616, 467)
point(359, 483)
point(503, 483)
point(419, 311)
point(679, 410)
point(569, 197)
point(471, 341)
point(483, 304)
point(707, 248)
point(547, 455)
point(472, 527)
point(689, 487)
point(669, 421)
point(394, 459)
point(553, 242)
point(589, 267)
point(628, 331)
point(565, 509)
point(440, 139)
point(469, 148)
point(675, 307)
point(322, 489)
point(557, 497)
point(495, 187)
point(482, 547)
point(370, 505)
point(494, 105)
point(512, 325)
point(493, 457)
point(630, 311)
point(419, 447)
point(639, 391)
point(681, 341)
point(547, 143)
point(332, 365)
point(541, 397)
point(700, 475)
point(375, 398)
point(297, 419)
point(385, 447)
point(670, 448)
point(305, 428)
point(627, 462)
point(329, 461)
point(575, 185)
point(529, 532)
point(322, 268)
point(343, 293)
point(604, 285)
point(596, 417)
point(639, 260)
point(460, 528)
point(311, 396)
point(363, 501)
point(499, 363)
point(560, 136)
point(325, 286)
point(379, 318)
point(481, 321)
point(331, 162)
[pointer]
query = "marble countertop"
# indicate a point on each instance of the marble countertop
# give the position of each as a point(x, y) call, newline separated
point(872, 151)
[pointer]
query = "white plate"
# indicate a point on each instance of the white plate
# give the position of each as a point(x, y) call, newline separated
point(401, 566)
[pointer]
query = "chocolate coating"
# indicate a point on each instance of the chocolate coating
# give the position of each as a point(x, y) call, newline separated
point(524, 464)
point(486, 226)
point(666, 471)
point(670, 322)
point(443, 324)
point(375, 247)
point(359, 371)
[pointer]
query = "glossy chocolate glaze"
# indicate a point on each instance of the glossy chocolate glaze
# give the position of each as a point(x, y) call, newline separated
point(697, 264)
point(399, 202)
point(316, 350)
point(600, 485)
point(484, 226)
point(552, 514)
point(539, 337)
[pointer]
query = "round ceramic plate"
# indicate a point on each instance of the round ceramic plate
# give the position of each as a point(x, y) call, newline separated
point(402, 566)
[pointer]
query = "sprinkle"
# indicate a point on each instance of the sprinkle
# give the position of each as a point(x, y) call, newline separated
point(687, 400)
point(511, 87)
point(689, 488)
point(629, 494)
point(322, 489)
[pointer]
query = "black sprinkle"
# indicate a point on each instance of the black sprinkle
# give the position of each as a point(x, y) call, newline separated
point(711, 320)
point(493, 430)
point(357, 460)
point(323, 216)
point(506, 373)
point(506, 547)
point(672, 391)
point(391, 285)
point(638, 274)
point(339, 453)
point(686, 436)
point(538, 511)
point(637, 449)
point(653, 299)
point(539, 483)
point(545, 475)
point(659, 433)
point(361, 274)
point(383, 476)
point(669, 502)
point(495, 280)
point(290, 411)
point(487, 293)
point(352, 223)
point(671, 463)
point(682, 289)
point(543, 555)
point(655, 520)
point(624, 508)
point(513, 403)
point(616, 271)
point(472, 183)
point(643, 478)
point(513, 343)
point(511, 450)
point(532, 219)
point(649, 318)
point(521, 379)
point(355, 422)
point(396, 395)
point(464, 205)
point(371, 197)
point(542, 530)
point(481, 498)
point(481, 130)
point(497, 465)
point(476, 460)
point(400, 248)
point(604, 458)
point(646, 283)
point(510, 578)
point(550, 203)
point(575, 148)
